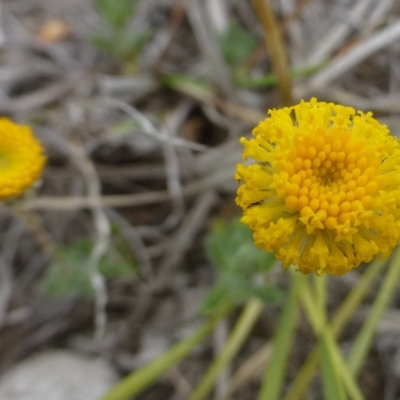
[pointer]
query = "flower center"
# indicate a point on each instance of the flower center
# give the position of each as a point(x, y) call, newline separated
point(329, 179)
point(5, 159)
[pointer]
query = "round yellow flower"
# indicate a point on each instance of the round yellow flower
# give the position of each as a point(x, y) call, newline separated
point(21, 158)
point(324, 191)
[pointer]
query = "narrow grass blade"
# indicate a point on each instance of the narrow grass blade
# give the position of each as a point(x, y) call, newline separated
point(333, 388)
point(364, 339)
point(142, 378)
point(235, 342)
point(340, 319)
point(282, 341)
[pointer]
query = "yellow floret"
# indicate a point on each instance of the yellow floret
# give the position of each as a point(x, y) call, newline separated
point(21, 158)
point(324, 192)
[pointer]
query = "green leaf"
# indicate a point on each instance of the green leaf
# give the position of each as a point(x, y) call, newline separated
point(231, 247)
point(69, 276)
point(105, 44)
point(216, 300)
point(241, 267)
point(122, 128)
point(116, 12)
point(122, 45)
point(187, 84)
point(129, 46)
point(269, 80)
point(237, 44)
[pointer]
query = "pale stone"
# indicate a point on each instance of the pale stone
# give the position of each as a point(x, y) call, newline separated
point(57, 375)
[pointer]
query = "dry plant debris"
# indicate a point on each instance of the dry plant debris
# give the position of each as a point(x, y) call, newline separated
point(141, 123)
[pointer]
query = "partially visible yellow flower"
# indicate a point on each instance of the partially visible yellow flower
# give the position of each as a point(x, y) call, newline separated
point(324, 191)
point(21, 158)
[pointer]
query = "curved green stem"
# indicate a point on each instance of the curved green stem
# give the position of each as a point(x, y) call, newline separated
point(320, 283)
point(335, 369)
point(235, 341)
point(366, 335)
point(348, 380)
point(143, 377)
point(283, 338)
point(340, 319)
point(332, 384)
point(336, 374)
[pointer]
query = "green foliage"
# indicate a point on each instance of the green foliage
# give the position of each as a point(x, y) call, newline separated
point(241, 267)
point(123, 128)
point(237, 44)
point(187, 84)
point(69, 275)
point(116, 12)
point(121, 45)
point(118, 42)
point(270, 79)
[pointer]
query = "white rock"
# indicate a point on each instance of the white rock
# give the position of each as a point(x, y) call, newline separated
point(57, 375)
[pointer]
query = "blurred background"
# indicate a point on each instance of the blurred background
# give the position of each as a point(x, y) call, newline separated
point(140, 105)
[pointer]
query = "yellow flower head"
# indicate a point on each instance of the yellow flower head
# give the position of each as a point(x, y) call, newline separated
point(324, 191)
point(21, 158)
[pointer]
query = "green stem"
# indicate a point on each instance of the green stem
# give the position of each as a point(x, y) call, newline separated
point(269, 80)
point(235, 341)
point(332, 384)
point(308, 303)
point(364, 339)
point(355, 297)
point(335, 369)
point(283, 338)
point(348, 380)
point(328, 347)
point(143, 377)
point(320, 283)
point(340, 319)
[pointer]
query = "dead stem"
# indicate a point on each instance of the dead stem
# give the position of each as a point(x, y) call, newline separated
point(275, 46)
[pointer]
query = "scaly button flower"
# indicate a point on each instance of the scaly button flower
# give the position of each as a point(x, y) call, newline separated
point(21, 158)
point(324, 191)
